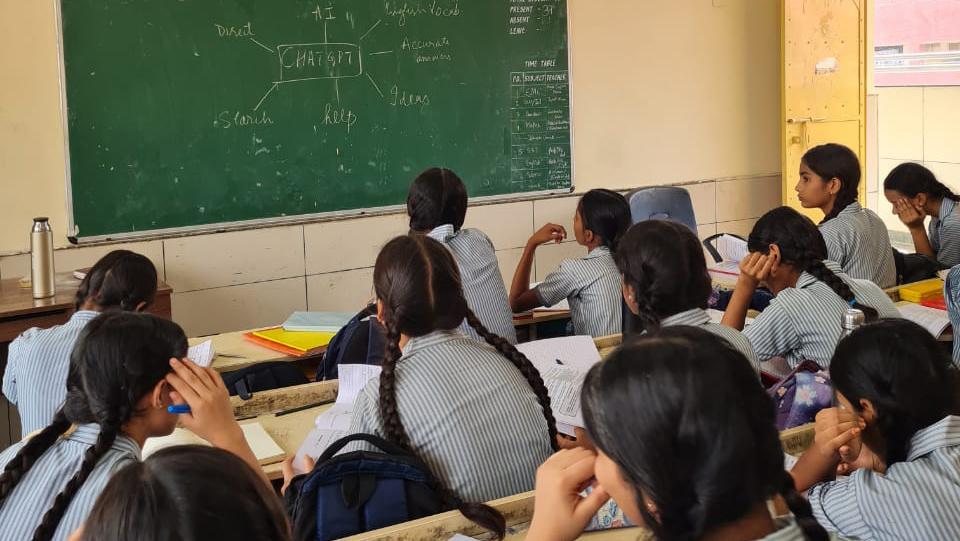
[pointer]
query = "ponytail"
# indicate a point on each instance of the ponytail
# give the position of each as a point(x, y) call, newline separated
point(802, 512)
point(912, 178)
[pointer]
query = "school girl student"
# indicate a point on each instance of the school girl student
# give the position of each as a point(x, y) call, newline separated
point(477, 414)
point(36, 375)
point(915, 193)
point(804, 319)
point(437, 206)
point(590, 284)
point(700, 465)
point(894, 439)
point(856, 237)
point(190, 492)
point(665, 281)
point(124, 373)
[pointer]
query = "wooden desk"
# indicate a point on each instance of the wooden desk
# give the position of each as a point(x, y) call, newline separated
point(19, 311)
point(288, 431)
point(242, 353)
point(527, 322)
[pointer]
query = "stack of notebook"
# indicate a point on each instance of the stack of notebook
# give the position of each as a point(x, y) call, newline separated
point(303, 334)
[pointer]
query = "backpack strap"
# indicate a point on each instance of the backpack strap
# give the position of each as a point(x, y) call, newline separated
point(382, 444)
point(243, 389)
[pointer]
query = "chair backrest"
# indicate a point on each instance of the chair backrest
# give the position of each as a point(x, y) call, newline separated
point(662, 203)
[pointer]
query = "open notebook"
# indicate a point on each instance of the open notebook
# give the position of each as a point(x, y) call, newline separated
point(263, 445)
point(732, 250)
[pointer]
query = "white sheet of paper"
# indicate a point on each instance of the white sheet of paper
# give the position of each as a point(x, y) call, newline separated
point(933, 320)
point(461, 537)
point(352, 378)
point(330, 426)
point(579, 352)
point(726, 267)
point(563, 364)
point(731, 248)
point(202, 354)
point(716, 316)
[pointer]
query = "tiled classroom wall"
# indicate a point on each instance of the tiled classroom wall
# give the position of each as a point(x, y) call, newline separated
point(238, 280)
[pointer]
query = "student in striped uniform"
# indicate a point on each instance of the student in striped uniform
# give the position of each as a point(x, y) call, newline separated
point(915, 193)
point(856, 237)
point(186, 492)
point(477, 414)
point(38, 361)
point(804, 319)
point(702, 463)
point(437, 206)
point(124, 373)
point(591, 284)
point(895, 439)
point(665, 281)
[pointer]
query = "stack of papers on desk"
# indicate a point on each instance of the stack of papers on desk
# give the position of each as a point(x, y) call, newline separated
point(317, 321)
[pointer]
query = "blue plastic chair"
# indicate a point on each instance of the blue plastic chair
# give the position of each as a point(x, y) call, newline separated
point(662, 203)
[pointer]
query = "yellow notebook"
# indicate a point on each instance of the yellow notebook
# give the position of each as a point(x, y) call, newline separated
point(922, 291)
point(300, 341)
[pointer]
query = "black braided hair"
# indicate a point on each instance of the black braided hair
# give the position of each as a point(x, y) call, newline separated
point(800, 507)
point(911, 179)
point(607, 214)
point(802, 246)
point(652, 408)
point(121, 279)
point(436, 197)
point(663, 262)
point(831, 161)
point(119, 358)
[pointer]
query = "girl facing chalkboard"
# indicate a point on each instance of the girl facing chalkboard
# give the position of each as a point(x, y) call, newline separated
point(592, 283)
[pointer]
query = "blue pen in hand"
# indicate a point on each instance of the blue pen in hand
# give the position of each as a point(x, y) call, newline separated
point(179, 409)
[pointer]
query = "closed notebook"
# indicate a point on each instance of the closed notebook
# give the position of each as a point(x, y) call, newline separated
point(317, 321)
point(299, 341)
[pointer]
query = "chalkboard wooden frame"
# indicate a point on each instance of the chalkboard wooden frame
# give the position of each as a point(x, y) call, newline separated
point(257, 223)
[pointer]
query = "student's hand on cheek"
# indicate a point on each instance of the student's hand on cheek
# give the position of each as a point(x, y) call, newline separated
point(756, 267)
point(911, 215)
point(560, 513)
point(211, 415)
point(549, 233)
point(836, 428)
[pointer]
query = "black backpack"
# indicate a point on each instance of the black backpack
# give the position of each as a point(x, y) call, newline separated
point(263, 377)
point(363, 340)
point(361, 491)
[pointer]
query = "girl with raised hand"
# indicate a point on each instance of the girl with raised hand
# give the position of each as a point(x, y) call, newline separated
point(804, 319)
point(685, 444)
point(125, 371)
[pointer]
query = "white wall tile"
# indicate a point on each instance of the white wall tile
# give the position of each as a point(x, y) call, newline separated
point(70, 259)
point(240, 307)
point(549, 257)
point(350, 244)
point(508, 225)
point(742, 199)
point(558, 211)
point(508, 260)
point(239, 257)
point(900, 123)
point(704, 196)
point(947, 173)
point(941, 116)
point(346, 291)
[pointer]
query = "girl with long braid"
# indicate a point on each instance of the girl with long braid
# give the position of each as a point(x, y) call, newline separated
point(477, 414)
point(125, 371)
point(804, 320)
point(665, 281)
point(685, 444)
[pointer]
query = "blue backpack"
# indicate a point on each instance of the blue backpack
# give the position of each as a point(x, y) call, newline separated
point(361, 491)
point(363, 340)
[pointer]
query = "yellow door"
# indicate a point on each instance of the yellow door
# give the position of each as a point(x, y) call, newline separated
point(824, 82)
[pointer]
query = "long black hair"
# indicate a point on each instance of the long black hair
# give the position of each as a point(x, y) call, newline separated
point(160, 499)
point(436, 197)
point(680, 413)
point(119, 280)
point(417, 281)
point(801, 246)
point(664, 264)
point(912, 178)
point(899, 367)
point(118, 359)
point(836, 161)
point(607, 214)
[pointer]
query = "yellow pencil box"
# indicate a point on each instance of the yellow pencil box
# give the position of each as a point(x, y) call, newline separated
point(922, 291)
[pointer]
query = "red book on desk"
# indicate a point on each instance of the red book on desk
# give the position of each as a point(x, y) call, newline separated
point(939, 304)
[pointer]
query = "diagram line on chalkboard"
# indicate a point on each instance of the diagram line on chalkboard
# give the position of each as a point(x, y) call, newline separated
point(367, 33)
point(374, 83)
point(272, 88)
point(264, 46)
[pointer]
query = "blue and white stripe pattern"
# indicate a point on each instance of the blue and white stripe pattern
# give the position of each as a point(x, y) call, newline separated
point(857, 240)
point(918, 498)
point(951, 294)
point(700, 318)
point(24, 508)
point(482, 281)
point(945, 234)
point(805, 322)
point(37, 366)
point(469, 414)
point(592, 286)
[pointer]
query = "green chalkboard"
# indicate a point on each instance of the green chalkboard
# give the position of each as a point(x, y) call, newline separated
point(187, 113)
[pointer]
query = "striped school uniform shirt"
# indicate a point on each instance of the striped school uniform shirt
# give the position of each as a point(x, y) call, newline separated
point(858, 241)
point(944, 233)
point(918, 498)
point(23, 509)
point(951, 294)
point(469, 413)
point(592, 285)
point(700, 318)
point(37, 366)
point(804, 322)
point(482, 281)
